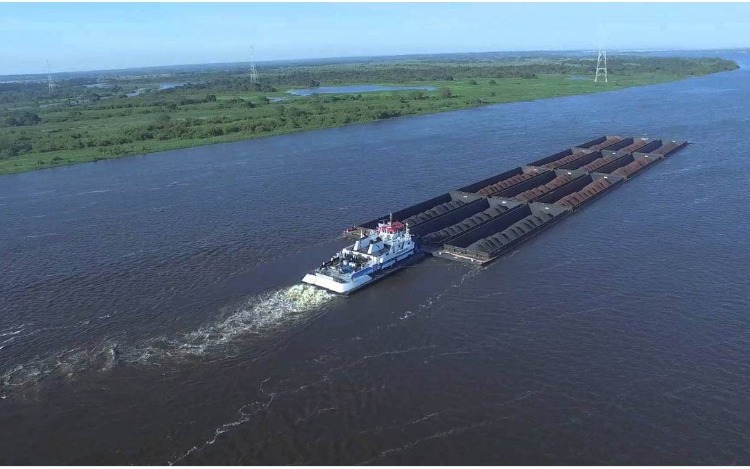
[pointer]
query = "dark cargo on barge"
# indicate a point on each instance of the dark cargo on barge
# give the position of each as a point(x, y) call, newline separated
point(481, 221)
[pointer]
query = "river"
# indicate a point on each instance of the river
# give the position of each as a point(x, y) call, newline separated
point(150, 310)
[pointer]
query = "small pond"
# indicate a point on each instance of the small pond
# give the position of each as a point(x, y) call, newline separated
point(355, 89)
point(169, 86)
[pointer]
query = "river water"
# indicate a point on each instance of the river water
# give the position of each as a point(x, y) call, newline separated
point(150, 310)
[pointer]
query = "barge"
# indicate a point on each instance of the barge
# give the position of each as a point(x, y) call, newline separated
point(480, 222)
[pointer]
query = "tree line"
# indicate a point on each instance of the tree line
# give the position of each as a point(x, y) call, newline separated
point(71, 125)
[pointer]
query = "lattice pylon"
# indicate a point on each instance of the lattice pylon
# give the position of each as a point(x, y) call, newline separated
point(253, 71)
point(50, 83)
point(601, 66)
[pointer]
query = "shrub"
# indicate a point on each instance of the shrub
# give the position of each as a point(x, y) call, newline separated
point(21, 118)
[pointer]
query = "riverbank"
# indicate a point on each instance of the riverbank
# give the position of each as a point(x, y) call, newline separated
point(93, 125)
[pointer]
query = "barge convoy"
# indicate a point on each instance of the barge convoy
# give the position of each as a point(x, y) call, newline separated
point(480, 222)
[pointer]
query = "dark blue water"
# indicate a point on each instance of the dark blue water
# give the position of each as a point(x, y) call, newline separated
point(355, 89)
point(150, 311)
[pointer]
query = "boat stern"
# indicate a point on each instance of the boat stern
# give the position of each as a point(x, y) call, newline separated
point(330, 284)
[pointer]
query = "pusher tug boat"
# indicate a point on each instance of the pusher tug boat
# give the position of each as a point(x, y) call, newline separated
point(376, 254)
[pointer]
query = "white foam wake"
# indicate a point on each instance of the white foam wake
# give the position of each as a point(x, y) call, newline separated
point(65, 364)
point(260, 315)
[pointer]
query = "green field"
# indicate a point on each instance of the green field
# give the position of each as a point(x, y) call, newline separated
point(78, 124)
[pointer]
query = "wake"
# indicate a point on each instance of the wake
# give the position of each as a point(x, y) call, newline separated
point(259, 316)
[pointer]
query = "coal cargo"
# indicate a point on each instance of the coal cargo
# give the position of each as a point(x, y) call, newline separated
point(481, 221)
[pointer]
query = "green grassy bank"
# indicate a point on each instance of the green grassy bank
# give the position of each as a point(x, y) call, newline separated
point(80, 125)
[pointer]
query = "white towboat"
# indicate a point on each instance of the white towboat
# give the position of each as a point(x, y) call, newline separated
point(380, 252)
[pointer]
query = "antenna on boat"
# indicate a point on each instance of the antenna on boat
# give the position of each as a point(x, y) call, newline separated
point(390, 217)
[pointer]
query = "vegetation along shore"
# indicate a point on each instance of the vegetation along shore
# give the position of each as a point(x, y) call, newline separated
point(103, 115)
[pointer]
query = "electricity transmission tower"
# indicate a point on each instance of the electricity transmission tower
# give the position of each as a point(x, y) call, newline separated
point(50, 83)
point(601, 65)
point(253, 71)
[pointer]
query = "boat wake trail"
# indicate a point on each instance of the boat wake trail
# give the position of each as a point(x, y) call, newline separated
point(66, 364)
point(260, 315)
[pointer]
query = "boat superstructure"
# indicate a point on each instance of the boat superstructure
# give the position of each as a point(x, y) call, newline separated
point(375, 254)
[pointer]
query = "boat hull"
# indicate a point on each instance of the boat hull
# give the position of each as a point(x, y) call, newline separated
point(346, 288)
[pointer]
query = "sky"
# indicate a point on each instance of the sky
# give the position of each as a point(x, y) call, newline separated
point(100, 36)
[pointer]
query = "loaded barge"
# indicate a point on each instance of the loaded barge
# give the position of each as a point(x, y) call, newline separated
point(480, 222)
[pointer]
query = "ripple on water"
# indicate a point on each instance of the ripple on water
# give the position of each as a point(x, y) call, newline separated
point(260, 315)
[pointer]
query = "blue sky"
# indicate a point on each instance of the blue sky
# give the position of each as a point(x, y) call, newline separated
point(91, 36)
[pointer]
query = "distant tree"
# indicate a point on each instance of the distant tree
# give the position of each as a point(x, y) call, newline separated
point(445, 93)
point(387, 114)
point(22, 118)
point(472, 82)
point(162, 119)
point(214, 131)
point(29, 118)
point(15, 150)
point(492, 82)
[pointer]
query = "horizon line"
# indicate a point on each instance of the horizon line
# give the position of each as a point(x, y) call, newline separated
point(312, 59)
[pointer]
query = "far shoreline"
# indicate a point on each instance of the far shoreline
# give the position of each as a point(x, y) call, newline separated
point(312, 112)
